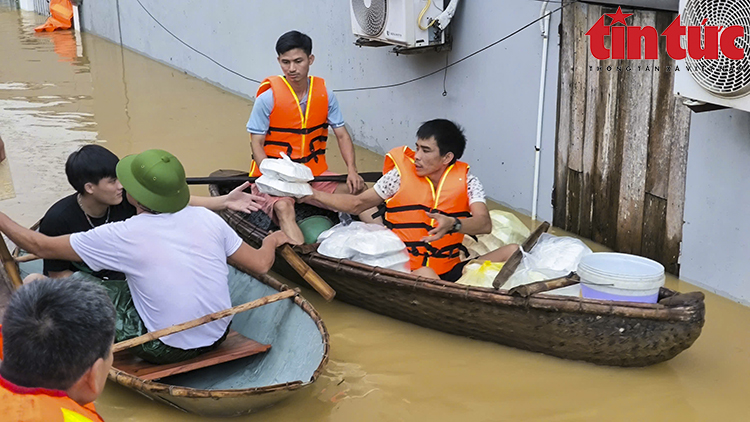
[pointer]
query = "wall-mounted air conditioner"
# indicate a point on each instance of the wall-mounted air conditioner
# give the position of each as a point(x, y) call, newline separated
point(722, 81)
point(402, 23)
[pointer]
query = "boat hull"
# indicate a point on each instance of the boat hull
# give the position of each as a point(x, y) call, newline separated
point(600, 332)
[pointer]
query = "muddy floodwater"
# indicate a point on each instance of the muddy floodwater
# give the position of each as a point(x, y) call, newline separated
point(61, 90)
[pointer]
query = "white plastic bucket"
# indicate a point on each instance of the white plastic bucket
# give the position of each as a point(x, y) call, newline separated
point(619, 276)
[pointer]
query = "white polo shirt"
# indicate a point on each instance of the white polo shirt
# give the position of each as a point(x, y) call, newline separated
point(175, 266)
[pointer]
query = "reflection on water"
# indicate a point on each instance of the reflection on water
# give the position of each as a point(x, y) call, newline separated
point(57, 93)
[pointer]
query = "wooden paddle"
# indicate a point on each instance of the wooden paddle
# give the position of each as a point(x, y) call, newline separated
point(127, 344)
point(527, 290)
point(371, 177)
point(510, 266)
point(307, 273)
point(10, 266)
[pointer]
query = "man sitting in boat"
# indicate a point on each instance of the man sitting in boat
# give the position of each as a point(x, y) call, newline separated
point(99, 200)
point(174, 256)
point(291, 114)
point(430, 201)
point(56, 352)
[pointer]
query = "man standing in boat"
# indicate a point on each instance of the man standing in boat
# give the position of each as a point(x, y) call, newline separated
point(174, 256)
point(429, 199)
point(292, 114)
point(56, 351)
point(98, 200)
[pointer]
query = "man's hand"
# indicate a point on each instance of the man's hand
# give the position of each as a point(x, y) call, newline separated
point(444, 224)
point(306, 199)
point(239, 200)
point(355, 182)
point(277, 239)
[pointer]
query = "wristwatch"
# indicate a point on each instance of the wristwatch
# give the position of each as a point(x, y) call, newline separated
point(456, 226)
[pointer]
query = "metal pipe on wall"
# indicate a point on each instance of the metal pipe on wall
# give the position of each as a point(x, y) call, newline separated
point(540, 111)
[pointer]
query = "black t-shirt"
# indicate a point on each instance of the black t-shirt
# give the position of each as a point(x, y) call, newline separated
point(67, 217)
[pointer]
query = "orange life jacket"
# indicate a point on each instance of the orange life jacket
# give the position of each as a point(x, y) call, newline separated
point(406, 211)
point(61, 16)
point(301, 134)
point(22, 404)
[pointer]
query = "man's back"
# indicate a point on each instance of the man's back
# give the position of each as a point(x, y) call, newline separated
point(175, 265)
point(41, 405)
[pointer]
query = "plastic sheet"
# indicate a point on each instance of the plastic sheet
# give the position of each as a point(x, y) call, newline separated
point(506, 229)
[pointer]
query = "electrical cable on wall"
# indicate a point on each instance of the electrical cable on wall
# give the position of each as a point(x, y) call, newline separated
point(193, 48)
point(421, 15)
point(445, 76)
point(393, 85)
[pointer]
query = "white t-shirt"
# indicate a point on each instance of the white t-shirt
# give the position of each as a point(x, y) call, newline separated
point(175, 266)
point(388, 185)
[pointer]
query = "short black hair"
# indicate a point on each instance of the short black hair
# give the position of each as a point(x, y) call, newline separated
point(90, 164)
point(54, 331)
point(292, 40)
point(448, 135)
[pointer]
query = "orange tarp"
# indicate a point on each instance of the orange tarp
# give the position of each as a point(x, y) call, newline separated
point(61, 16)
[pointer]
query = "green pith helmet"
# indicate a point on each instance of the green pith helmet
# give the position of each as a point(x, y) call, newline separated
point(156, 179)
point(313, 226)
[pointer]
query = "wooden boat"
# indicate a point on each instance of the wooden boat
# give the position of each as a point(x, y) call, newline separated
point(600, 332)
point(288, 351)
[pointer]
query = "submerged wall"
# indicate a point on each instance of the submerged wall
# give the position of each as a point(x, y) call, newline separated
point(494, 95)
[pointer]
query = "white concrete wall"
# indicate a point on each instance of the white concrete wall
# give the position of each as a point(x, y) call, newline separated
point(716, 234)
point(494, 95)
point(27, 5)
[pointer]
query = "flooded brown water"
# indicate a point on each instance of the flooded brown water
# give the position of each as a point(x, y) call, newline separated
point(58, 92)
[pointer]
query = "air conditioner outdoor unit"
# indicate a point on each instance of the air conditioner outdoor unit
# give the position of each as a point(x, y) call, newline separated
point(722, 81)
point(397, 22)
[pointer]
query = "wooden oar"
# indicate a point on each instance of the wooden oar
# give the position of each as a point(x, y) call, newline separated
point(372, 176)
point(307, 273)
point(510, 266)
point(10, 266)
point(127, 344)
point(527, 290)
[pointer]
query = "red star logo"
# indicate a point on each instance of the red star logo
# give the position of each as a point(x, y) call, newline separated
point(619, 16)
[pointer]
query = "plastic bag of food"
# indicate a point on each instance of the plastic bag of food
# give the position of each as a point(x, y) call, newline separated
point(339, 241)
point(374, 242)
point(480, 274)
point(285, 169)
point(370, 244)
point(334, 241)
point(398, 261)
point(552, 257)
point(352, 227)
point(278, 187)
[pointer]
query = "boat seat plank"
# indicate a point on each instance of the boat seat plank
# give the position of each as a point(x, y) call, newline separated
point(234, 347)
